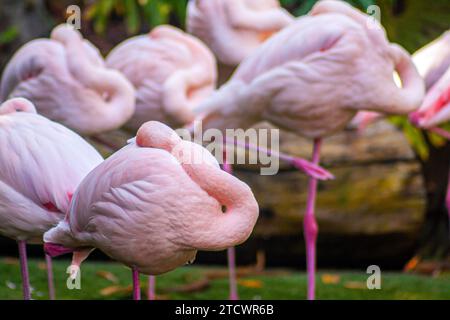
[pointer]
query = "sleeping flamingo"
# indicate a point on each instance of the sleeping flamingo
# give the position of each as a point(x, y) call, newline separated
point(65, 78)
point(41, 164)
point(153, 204)
point(173, 72)
point(311, 78)
point(432, 61)
point(233, 29)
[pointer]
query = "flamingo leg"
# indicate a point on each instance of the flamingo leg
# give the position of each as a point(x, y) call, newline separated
point(51, 285)
point(447, 201)
point(136, 285)
point(24, 270)
point(231, 252)
point(151, 288)
point(310, 225)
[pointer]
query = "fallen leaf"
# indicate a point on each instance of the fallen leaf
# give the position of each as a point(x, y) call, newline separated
point(107, 275)
point(196, 286)
point(355, 285)
point(11, 261)
point(42, 266)
point(412, 264)
point(250, 283)
point(330, 278)
point(108, 291)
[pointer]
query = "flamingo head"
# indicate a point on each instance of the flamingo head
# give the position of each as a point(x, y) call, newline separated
point(154, 134)
point(17, 105)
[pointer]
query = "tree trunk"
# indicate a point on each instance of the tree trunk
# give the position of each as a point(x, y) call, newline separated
point(434, 240)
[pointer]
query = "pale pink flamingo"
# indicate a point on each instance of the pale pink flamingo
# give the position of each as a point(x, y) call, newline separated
point(41, 164)
point(173, 72)
point(65, 78)
point(153, 204)
point(432, 61)
point(311, 78)
point(233, 29)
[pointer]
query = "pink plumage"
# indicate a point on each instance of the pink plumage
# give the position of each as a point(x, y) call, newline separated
point(171, 71)
point(233, 29)
point(314, 75)
point(41, 165)
point(155, 202)
point(66, 80)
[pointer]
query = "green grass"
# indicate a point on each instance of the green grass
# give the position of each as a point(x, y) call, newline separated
point(274, 284)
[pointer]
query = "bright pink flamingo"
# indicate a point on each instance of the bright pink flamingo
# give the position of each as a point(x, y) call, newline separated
point(154, 203)
point(66, 80)
point(41, 164)
point(311, 78)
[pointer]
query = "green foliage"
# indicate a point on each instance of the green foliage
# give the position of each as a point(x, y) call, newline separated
point(273, 284)
point(136, 13)
point(301, 7)
point(9, 35)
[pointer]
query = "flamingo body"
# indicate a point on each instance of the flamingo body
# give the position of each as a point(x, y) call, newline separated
point(152, 207)
point(42, 164)
point(171, 71)
point(233, 29)
point(313, 76)
point(66, 80)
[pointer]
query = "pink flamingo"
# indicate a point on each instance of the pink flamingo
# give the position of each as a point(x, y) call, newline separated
point(66, 79)
point(234, 29)
point(311, 78)
point(153, 204)
point(169, 84)
point(41, 164)
point(432, 61)
point(171, 70)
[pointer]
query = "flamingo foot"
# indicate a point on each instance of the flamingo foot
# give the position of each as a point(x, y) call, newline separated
point(24, 270)
point(151, 294)
point(136, 285)
point(51, 285)
point(311, 169)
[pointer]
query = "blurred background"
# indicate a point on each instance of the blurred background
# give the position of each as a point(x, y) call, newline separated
point(386, 205)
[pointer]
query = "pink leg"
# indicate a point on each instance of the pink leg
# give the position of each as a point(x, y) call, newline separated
point(136, 285)
point(231, 253)
point(310, 169)
point(447, 199)
point(24, 270)
point(51, 285)
point(151, 288)
point(310, 226)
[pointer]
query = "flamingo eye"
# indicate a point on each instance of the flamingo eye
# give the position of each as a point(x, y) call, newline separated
point(224, 209)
